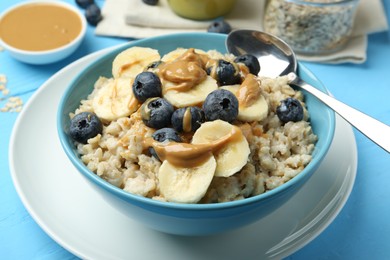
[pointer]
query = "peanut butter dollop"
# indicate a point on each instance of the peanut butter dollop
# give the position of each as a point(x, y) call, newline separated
point(185, 72)
point(249, 91)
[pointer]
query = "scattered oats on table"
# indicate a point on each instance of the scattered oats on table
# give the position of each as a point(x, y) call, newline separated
point(13, 104)
point(3, 79)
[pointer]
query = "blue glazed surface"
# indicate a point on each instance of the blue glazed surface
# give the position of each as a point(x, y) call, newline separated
point(360, 231)
point(194, 219)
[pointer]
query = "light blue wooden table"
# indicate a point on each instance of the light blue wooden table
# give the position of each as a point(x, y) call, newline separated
point(360, 231)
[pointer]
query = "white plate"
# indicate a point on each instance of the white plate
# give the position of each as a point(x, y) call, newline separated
point(75, 216)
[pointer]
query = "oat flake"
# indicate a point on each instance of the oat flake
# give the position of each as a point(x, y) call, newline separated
point(14, 103)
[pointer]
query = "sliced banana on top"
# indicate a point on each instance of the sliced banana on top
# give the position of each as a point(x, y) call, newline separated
point(233, 155)
point(192, 97)
point(255, 112)
point(115, 99)
point(186, 185)
point(132, 61)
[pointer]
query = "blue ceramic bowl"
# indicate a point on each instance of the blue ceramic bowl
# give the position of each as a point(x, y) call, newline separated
point(190, 219)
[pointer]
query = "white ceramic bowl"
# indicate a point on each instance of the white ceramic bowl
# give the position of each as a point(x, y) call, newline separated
point(45, 56)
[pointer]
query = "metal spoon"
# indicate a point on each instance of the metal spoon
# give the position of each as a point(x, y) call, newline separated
point(277, 58)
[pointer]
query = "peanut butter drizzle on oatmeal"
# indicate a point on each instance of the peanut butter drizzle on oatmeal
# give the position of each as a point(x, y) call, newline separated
point(185, 72)
point(127, 66)
point(213, 65)
point(243, 69)
point(187, 118)
point(249, 91)
point(133, 103)
point(135, 122)
point(145, 110)
point(188, 155)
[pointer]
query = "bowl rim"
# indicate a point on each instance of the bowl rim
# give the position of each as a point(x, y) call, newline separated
point(138, 199)
point(66, 5)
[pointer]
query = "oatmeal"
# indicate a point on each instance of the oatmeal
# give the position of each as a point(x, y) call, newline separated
point(192, 127)
point(311, 26)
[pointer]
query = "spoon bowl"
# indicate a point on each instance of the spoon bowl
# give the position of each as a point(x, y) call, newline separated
point(268, 49)
point(277, 58)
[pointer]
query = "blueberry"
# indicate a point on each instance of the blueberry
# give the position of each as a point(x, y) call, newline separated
point(187, 119)
point(93, 14)
point(150, 2)
point(166, 133)
point(220, 104)
point(224, 72)
point(83, 126)
point(84, 3)
point(250, 61)
point(219, 26)
point(162, 135)
point(146, 85)
point(290, 109)
point(156, 112)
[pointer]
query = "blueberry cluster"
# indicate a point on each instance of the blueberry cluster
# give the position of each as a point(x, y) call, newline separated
point(92, 11)
point(169, 122)
point(158, 113)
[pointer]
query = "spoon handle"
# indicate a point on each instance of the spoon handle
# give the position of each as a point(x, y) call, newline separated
point(375, 130)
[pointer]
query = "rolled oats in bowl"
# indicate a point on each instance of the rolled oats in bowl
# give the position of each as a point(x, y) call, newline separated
point(192, 126)
point(311, 26)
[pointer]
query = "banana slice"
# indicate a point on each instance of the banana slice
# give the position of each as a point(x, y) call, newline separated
point(255, 112)
point(115, 99)
point(233, 155)
point(173, 55)
point(132, 61)
point(192, 97)
point(185, 185)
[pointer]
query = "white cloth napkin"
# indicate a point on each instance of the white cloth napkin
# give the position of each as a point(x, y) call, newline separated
point(134, 19)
